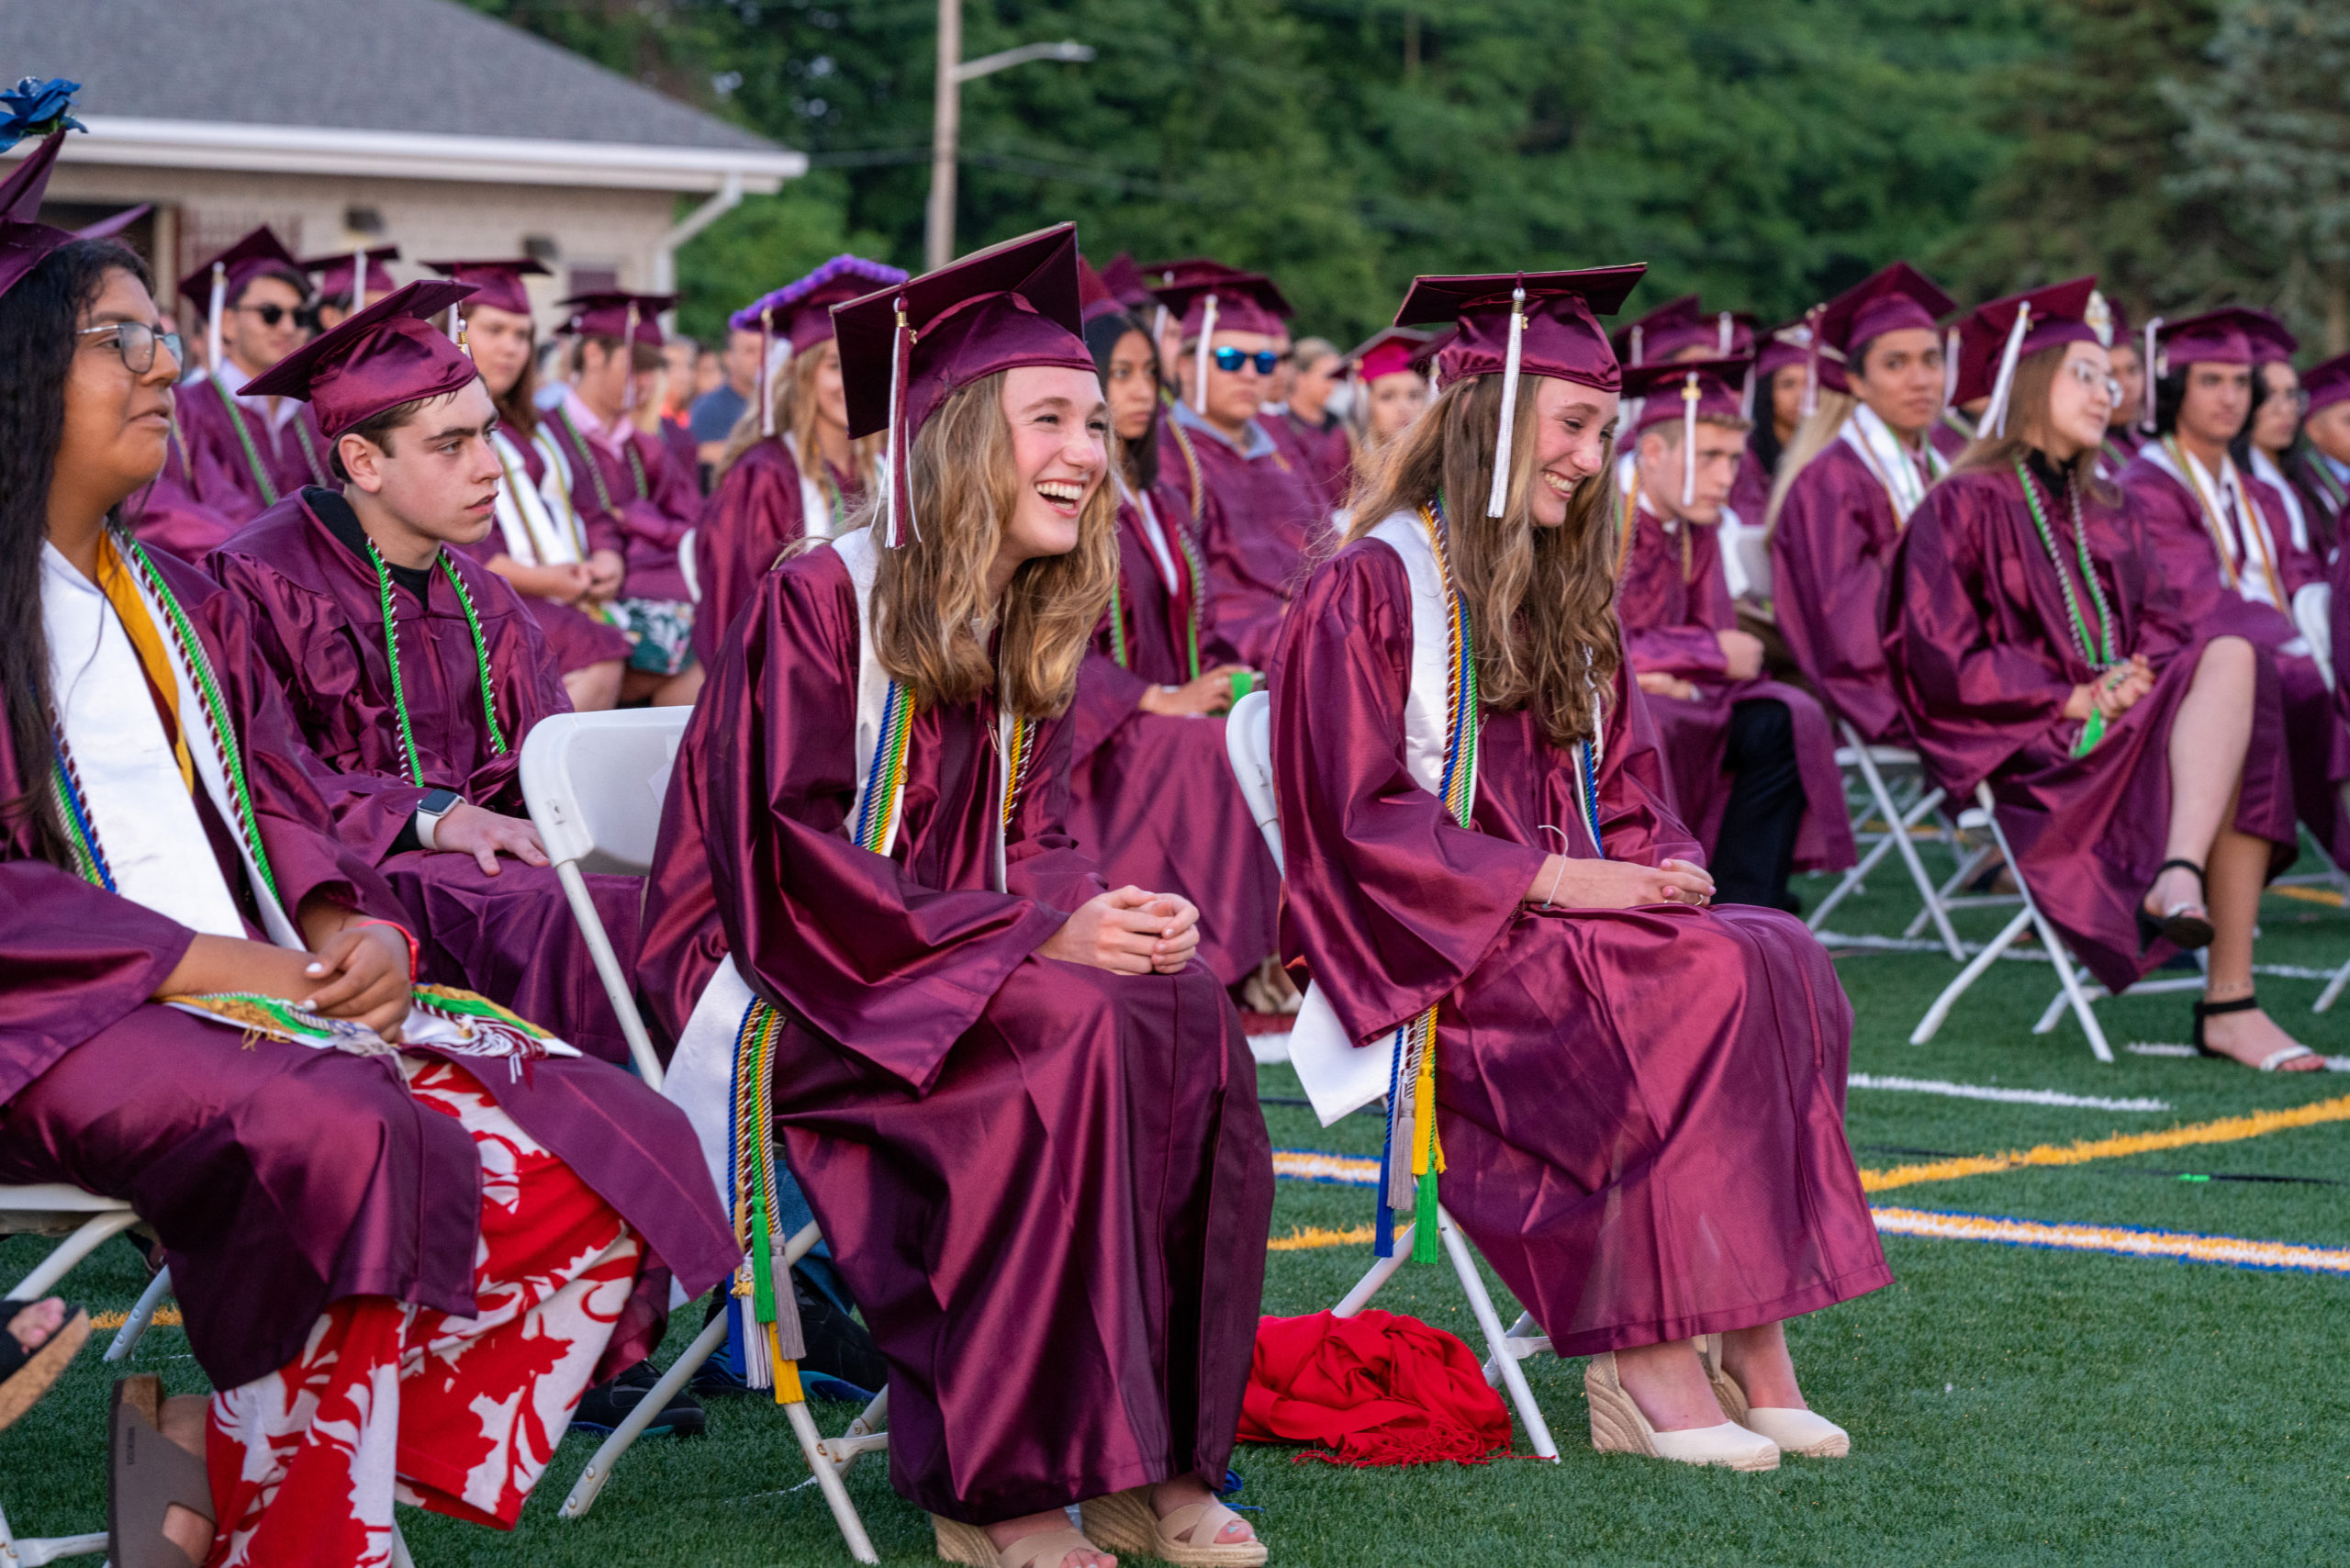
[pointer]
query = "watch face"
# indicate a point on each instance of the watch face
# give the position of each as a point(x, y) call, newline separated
point(440, 802)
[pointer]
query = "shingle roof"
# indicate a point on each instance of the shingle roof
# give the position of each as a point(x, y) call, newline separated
point(349, 64)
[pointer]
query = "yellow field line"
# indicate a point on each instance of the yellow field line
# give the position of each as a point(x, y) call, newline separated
point(166, 1317)
point(2120, 1240)
point(2310, 895)
point(1305, 1237)
point(2227, 1129)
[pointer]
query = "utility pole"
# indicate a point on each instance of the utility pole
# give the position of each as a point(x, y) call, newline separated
point(946, 114)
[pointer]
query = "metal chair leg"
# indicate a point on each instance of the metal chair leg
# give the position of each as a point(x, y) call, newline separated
point(1481, 1304)
point(134, 1327)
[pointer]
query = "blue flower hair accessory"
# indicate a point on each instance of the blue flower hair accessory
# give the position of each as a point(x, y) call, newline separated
point(878, 274)
point(39, 108)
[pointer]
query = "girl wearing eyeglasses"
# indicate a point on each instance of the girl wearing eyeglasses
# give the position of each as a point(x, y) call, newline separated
point(2137, 758)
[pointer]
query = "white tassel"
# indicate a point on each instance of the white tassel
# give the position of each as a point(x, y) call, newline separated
point(1728, 332)
point(1497, 502)
point(212, 318)
point(1812, 345)
point(628, 357)
point(891, 452)
point(1950, 367)
point(2147, 374)
point(1746, 394)
point(1994, 422)
point(1638, 338)
point(1199, 360)
point(359, 281)
point(766, 371)
point(1689, 440)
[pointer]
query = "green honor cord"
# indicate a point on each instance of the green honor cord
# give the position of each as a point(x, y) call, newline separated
point(2100, 655)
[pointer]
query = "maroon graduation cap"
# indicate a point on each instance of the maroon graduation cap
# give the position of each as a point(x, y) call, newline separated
point(905, 348)
point(107, 228)
point(1514, 324)
point(335, 273)
point(1888, 300)
point(2328, 384)
point(1679, 325)
point(1210, 297)
point(615, 313)
point(24, 239)
point(1125, 281)
point(803, 311)
point(2273, 342)
point(498, 284)
point(1996, 336)
point(1694, 389)
point(1095, 297)
point(374, 359)
point(259, 254)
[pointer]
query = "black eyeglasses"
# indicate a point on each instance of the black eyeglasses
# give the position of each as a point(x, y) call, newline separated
point(1230, 360)
point(136, 341)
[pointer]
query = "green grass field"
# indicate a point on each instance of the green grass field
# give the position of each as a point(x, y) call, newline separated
point(2008, 1404)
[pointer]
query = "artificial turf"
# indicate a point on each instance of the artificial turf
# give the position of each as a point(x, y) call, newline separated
point(2008, 1404)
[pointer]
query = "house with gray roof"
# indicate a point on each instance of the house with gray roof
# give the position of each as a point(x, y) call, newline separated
point(343, 123)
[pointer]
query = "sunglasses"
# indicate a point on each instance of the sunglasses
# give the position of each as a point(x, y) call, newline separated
point(1230, 360)
point(136, 343)
point(271, 315)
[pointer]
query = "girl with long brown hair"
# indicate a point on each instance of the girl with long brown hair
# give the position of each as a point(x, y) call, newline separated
point(2137, 757)
point(1025, 1118)
point(1509, 930)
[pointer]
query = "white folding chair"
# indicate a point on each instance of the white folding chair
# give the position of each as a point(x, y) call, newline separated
point(1901, 812)
point(594, 783)
point(1248, 746)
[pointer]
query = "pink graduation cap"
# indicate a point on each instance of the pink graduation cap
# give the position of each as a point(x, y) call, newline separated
point(1390, 351)
point(498, 284)
point(374, 359)
point(1997, 336)
point(107, 228)
point(24, 239)
point(2328, 384)
point(1514, 324)
point(1679, 325)
point(1890, 300)
point(1691, 390)
point(357, 275)
point(802, 309)
point(905, 348)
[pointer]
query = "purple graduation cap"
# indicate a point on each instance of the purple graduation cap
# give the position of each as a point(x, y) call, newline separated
point(2273, 342)
point(24, 239)
point(374, 359)
point(802, 310)
point(905, 348)
point(498, 284)
point(1686, 392)
point(2327, 384)
point(1514, 324)
point(1996, 337)
point(336, 275)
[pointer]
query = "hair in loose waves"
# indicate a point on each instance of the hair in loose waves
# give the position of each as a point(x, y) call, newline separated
point(1813, 434)
point(794, 388)
point(2027, 431)
point(38, 319)
point(932, 619)
point(1542, 600)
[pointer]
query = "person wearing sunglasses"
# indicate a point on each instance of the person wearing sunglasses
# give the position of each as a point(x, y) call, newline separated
point(249, 453)
point(1255, 508)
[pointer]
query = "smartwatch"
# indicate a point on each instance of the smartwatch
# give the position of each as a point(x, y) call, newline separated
point(436, 804)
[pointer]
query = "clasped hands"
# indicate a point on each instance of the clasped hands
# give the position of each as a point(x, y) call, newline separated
point(1129, 932)
point(1617, 884)
point(2113, 693)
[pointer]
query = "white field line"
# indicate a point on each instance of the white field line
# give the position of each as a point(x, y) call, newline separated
point(2006, 1096)
point(2021, 954)
point(2156, 1048)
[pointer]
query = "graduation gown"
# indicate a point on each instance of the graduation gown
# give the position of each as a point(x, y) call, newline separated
point(1672, 598)
point(1047, 1186)
point(760, 505)
point(177, 511)
point(243, 464)
point(640, 510)
point(1829, 553)
point(2187, 579)
point(1152, 796)
point(1642, 1111)
point(319, 630)
point(1258, 512)
point(282, 1178)
point(577, 638)
point(1982, 650)
point(1324, 452)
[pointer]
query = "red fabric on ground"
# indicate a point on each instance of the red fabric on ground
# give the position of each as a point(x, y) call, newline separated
point(1376, 1388)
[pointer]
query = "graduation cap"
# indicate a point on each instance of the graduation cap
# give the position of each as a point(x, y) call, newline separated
point(1124, 280)
point(498, 284)
point(1894, 298)
point(24, 239)
point(1680, 325)
point(1790, 344)
point(107, 228)
point(1212, 297)
point(2273, 342)
point(1390, 351)
point(802, 310)
point(1095, 298)
point(1686, 392)
point(1997, 336)
point(259, 254)
point(905, 348)
point(615, 313)
point(336, 274)
point(2327, 384)
point(1513, 324)
point(374, 359)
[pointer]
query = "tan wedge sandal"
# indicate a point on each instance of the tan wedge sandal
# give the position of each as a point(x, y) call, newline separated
point(1125, 1521)
point(1804, 1433)
point(1618, 1427)
point(959, 1542)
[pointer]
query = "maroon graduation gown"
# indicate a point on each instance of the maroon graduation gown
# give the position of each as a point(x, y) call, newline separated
point(1829, 553)
point(755, 511)
point(240, 476)
point(1326, 452)
point(2323, 487)
point(176, 511)
point(283, 1178)
point(1672, 598)
point(1152, 796)
point(1047, 1186)
point(1642, 1111)
point(318, 629)
point(577, 639)
point(1750, 493)
point(1257, 515)
point(642, 509)
point(1983, 652)
point(2186, 579)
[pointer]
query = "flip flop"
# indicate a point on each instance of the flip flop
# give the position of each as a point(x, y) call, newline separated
point(147, 1473)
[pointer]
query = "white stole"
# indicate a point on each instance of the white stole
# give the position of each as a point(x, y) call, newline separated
point(1894, 465)
point(2265, 467)
point(537, 522)
point(815, 511)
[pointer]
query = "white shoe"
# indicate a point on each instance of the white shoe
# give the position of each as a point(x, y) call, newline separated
point(1617, 1426)
point(1803, 1433)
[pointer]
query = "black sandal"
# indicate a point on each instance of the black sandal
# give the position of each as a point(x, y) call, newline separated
point(2181, 929)
point(147, 1473)
point(27, 1374)
point(2269, 1063)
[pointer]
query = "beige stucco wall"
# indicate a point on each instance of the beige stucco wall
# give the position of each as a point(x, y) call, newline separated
point(199, 211)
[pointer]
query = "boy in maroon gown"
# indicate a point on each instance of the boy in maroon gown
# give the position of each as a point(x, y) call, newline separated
point(1046, 1183)
point(1835, 520)
point(1257, 511)
point(638, 501)
point(416, 1320)
point(346, 282)
point(2220, 548)
point(248, 452)
point(413, 672)
point(1752, 760)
